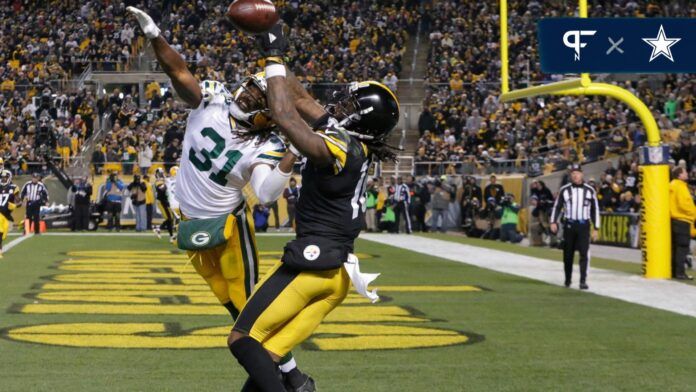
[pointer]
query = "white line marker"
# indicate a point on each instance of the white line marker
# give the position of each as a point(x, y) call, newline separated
point(16, 242)
point(659, 294)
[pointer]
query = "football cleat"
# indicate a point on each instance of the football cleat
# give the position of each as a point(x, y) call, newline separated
point(172, 239)
point(157, 232)
point(304, 383)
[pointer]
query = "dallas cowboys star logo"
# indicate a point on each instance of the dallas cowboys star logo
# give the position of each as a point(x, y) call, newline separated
point(661, 45)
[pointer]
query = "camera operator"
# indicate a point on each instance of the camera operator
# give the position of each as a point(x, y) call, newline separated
point(491, 213)
point(419, 199)
point(138, 190)
point(81, 192)
point(541, 202)
point(474, 223)
point(467, 192)
point(509, 220)
point(45, 139)
point(113, 191)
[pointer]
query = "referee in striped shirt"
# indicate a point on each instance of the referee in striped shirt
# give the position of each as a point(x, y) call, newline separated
point(578, 202)
point(36, 195)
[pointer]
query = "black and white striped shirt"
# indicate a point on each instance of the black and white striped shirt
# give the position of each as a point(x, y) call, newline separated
point(578, 202)
point(34, 192)
point(402, 193)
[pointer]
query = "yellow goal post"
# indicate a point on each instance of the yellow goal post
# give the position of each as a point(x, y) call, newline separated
point(655, 219)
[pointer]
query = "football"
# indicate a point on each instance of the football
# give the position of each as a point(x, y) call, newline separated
point(253, 16)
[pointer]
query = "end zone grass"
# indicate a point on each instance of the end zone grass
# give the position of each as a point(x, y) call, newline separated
point(528, 335)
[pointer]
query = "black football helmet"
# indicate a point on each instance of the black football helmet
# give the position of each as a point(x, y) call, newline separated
point(368, 110)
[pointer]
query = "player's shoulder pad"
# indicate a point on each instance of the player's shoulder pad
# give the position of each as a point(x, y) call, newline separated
point(272, 150)
point(214, 92)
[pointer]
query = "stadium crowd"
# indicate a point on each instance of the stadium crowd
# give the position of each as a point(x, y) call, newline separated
point(462, 120)
point(328, 43)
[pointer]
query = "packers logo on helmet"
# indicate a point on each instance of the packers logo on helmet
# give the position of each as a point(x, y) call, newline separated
point(249, 106)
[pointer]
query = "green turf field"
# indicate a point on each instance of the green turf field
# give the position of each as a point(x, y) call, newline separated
point(127, 314)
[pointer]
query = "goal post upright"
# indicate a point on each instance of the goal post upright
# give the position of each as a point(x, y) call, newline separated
point(654, 171)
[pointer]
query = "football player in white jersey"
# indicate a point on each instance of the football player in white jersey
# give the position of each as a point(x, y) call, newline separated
point(227, 144)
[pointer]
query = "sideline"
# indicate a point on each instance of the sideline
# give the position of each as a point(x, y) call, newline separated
point(16, 242)
point(659, 294)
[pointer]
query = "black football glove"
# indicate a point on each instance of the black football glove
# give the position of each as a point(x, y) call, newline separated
point(272, 43)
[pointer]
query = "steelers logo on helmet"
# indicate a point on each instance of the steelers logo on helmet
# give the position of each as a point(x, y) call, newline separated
point(249, 106)
point(368, 110)
point(5, 177)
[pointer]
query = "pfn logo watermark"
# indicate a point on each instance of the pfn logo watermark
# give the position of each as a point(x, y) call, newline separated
point(576, 44)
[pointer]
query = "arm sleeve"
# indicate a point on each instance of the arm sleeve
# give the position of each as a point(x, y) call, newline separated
point(686, 202)
point(594, 211)
point(268, 184)
point(557, 205)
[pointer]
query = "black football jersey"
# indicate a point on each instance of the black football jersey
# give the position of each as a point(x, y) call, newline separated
point(8, 194)
point(332, 199)
point(161, 192)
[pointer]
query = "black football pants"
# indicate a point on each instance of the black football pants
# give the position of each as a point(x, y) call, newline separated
point(576, 237)
point(681, 239)
point(33, 214)
point(402, 208)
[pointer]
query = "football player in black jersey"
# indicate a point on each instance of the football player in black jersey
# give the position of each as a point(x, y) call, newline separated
point(162, 196)
point(8, 198)
point(310, 281)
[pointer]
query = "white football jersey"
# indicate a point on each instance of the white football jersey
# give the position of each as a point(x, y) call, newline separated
point(215, 165)
point(170, 182)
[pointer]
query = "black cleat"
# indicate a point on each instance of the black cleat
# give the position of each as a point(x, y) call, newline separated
point(296, 381)
point(684, 277)
point(567, 283)
point(584, 286)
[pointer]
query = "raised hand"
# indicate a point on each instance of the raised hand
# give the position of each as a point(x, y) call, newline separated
point(146, 23)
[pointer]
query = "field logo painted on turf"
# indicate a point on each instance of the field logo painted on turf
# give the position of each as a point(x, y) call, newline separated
point(149, 284)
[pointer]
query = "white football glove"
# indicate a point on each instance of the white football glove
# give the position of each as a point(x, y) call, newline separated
point(146, 23)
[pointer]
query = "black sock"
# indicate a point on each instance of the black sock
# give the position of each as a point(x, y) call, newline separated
point(258, 364)
point(230, 308)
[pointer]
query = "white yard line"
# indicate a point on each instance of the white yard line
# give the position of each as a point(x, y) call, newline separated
point(660, 294)
point(16, 242)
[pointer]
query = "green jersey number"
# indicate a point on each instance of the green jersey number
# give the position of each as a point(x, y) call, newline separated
point(205, 164)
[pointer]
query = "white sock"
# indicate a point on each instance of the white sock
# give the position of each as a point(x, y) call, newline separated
point(288, 366)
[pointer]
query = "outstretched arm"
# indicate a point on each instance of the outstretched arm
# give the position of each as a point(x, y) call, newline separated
point(174, 66)
point(309, 109)
point(287, 118)
point(272, 46)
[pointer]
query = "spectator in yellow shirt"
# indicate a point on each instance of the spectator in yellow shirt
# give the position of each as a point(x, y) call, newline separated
point(683, 213)
point(456, 83)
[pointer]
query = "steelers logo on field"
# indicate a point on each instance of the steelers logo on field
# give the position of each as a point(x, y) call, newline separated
point(311, 252)
point(200, 238)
